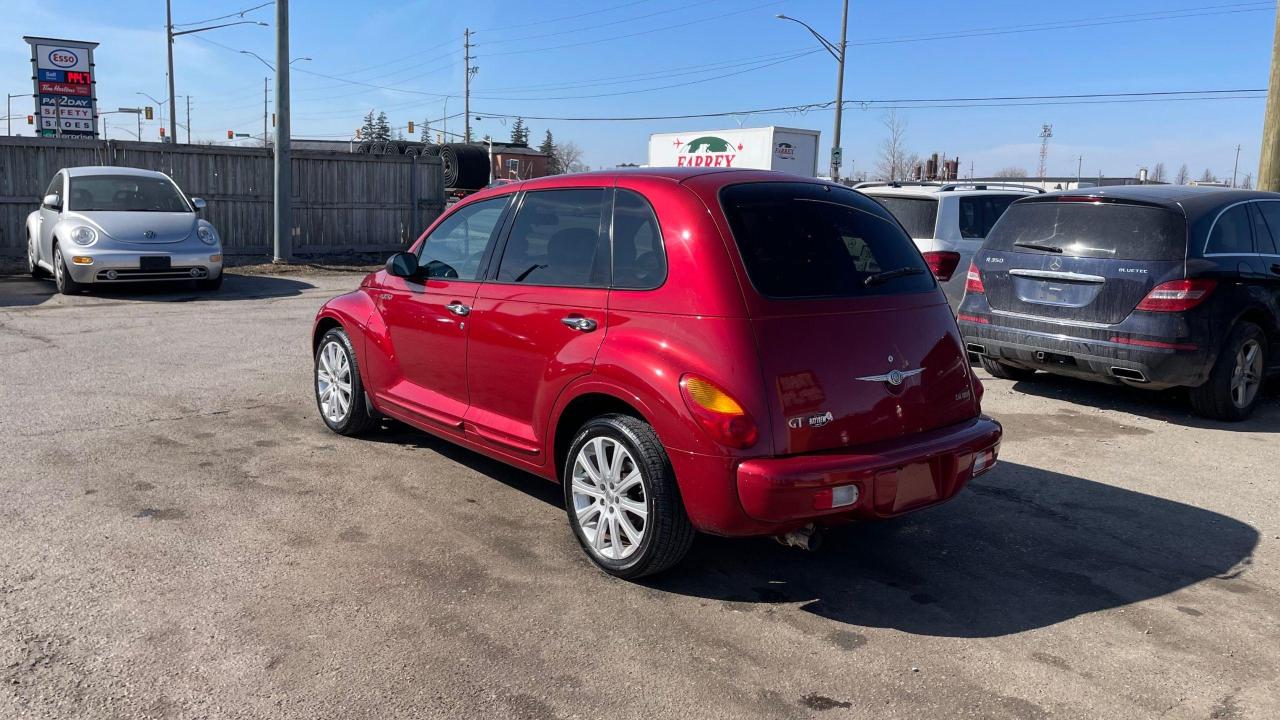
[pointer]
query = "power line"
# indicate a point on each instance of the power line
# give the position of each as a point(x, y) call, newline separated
point(241, 13)
point(633, 18)
point(562, 18)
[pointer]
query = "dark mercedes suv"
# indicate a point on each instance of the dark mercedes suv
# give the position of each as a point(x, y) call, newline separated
point(1153, 286)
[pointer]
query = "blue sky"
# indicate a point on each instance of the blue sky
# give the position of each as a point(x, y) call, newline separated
point(622, 58)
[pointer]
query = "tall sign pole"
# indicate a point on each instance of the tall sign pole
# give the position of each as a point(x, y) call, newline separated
point(1269, 166)
point(466, 81)
point(836, 151)
point(282, 250)
point(173, 106)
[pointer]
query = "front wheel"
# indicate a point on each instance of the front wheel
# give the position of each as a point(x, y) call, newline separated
point(339, 391)
point(1235, 383)
point(621, 496)
point(62, 277)
point(33, 267)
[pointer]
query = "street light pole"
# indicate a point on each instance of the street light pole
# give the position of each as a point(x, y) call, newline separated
point(837, 52)
point(283, 170)
point(168, 28)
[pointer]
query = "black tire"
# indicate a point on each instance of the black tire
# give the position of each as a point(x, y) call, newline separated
point(357, 419)
point(32, 267)
point(1006, 372)
point(666, 533)
point(1214, 399)
point(210, 284)
point(61, 276)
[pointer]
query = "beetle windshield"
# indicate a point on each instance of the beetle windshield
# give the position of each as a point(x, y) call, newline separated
point(125, 193)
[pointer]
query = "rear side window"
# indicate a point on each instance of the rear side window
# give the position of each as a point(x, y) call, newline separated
point(1231, 233)
point(1269, 242)
point(639, 262)
point(1090, 229)
point(918, 215)
point(556, 240)
point(804, 240)
point(978, 213)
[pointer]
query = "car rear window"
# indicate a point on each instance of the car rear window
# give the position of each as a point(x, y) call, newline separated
point(978, 213)
point(918, 215)
point(1091, 229)
point(805, 240)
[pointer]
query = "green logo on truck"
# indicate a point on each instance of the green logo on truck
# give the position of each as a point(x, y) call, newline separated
point(707, 151)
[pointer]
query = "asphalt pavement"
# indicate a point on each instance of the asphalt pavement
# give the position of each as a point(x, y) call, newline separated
point(183, 538)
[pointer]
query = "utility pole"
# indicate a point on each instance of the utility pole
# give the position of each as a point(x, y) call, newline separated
point(1079, 170)
point(467, 72)
point(264, 112)
point(284, 172)
point(188, 99)
point(837, 52)
point(168, 31)
point(1235, 169)
point(1269, 164)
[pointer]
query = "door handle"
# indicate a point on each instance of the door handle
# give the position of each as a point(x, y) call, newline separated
point(579, 323)
point(458, 308)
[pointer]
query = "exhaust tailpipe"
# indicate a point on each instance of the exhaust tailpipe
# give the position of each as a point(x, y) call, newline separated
point(1129, 374)
point(806, 538)
point(976, 349)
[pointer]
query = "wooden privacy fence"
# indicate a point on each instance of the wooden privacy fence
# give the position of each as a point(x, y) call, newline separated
point(342, 202)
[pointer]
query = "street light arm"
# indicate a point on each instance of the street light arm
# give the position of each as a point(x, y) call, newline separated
point(827, 44)
point(215, 27)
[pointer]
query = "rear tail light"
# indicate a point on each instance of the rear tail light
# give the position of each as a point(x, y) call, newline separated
point(1177, 295)
point(718, 413)
point(978, 319)
point(973, 281)
point(942, 263)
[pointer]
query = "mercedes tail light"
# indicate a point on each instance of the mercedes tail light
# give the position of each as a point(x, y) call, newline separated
point(973, 281)
point(942, 263)
point(1177, 295)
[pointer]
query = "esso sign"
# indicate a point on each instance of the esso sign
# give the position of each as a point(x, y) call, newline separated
point(63, 58)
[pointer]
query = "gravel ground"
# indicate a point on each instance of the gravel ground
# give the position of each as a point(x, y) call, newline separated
point(185, 539)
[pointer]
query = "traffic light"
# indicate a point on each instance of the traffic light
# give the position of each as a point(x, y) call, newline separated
point(231, 135)
point(31, 119)
point(148, 113)
point(357, 129)
point(161, 132)
point(410, 127)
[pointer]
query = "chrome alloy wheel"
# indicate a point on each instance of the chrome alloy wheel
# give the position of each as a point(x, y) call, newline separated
point(58, 269)
point(31, 256)
point(333, 381)
point(1247, 377)
point(609, 498)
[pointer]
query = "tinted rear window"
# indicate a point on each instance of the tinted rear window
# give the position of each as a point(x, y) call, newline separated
point(978, 213)
point(918, 215)
point(1096, 230)
point(803, 240)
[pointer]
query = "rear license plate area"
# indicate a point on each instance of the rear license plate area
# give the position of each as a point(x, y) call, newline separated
point(154, 263)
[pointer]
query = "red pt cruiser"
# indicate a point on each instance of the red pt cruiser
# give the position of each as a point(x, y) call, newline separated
point(729, 351)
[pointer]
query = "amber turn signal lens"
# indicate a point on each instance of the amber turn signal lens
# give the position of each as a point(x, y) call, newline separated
point(81, 259)
point(718, 413)
point(215, 258)
point(710, 397)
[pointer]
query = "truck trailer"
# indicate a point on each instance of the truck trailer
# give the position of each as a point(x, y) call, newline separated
point(790, 150)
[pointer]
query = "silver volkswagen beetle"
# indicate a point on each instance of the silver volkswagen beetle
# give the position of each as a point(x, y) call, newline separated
point(114, 224)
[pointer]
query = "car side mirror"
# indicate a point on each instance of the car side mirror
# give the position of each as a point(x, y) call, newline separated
point(199, 203)
point(403, 265)
point(53, 202)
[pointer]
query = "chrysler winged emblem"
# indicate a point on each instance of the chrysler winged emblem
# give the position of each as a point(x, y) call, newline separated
point(894, 377)
point(149, 234)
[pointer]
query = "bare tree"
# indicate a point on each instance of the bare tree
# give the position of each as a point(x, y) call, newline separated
point(893, 152)
point(1183, 175)
point(569, 158)
point(1208, 176)
point(1012, 171)
point(1157, 173)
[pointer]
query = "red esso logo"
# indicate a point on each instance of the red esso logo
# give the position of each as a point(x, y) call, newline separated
point(63, 58)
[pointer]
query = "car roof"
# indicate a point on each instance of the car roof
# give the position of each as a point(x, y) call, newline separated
point(1193, 200)
point(933, 190)
point(87, 170)
point(713, 176)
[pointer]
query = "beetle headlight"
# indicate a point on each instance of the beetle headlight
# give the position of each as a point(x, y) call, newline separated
point(84, 235)
point(207, 235)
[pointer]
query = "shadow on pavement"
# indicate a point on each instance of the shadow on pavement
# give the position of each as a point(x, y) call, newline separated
point(1171, 406)
point(25, 291)
point(1021, 548)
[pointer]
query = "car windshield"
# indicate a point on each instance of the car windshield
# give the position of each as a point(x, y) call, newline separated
point(804, 240)
point(917, 215)
point(125, 193)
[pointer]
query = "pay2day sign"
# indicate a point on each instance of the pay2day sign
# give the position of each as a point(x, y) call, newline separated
point(65, 91)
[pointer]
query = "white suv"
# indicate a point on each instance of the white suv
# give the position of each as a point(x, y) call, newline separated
point(948, 221)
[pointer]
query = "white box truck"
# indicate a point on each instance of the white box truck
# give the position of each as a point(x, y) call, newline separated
point(768, 148)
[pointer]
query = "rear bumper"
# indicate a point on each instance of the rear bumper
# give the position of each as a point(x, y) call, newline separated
point(1121, 357)
point(891, 478)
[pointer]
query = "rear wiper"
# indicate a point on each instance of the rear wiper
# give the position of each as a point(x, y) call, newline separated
point(1039, 246)
point(886, 276)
